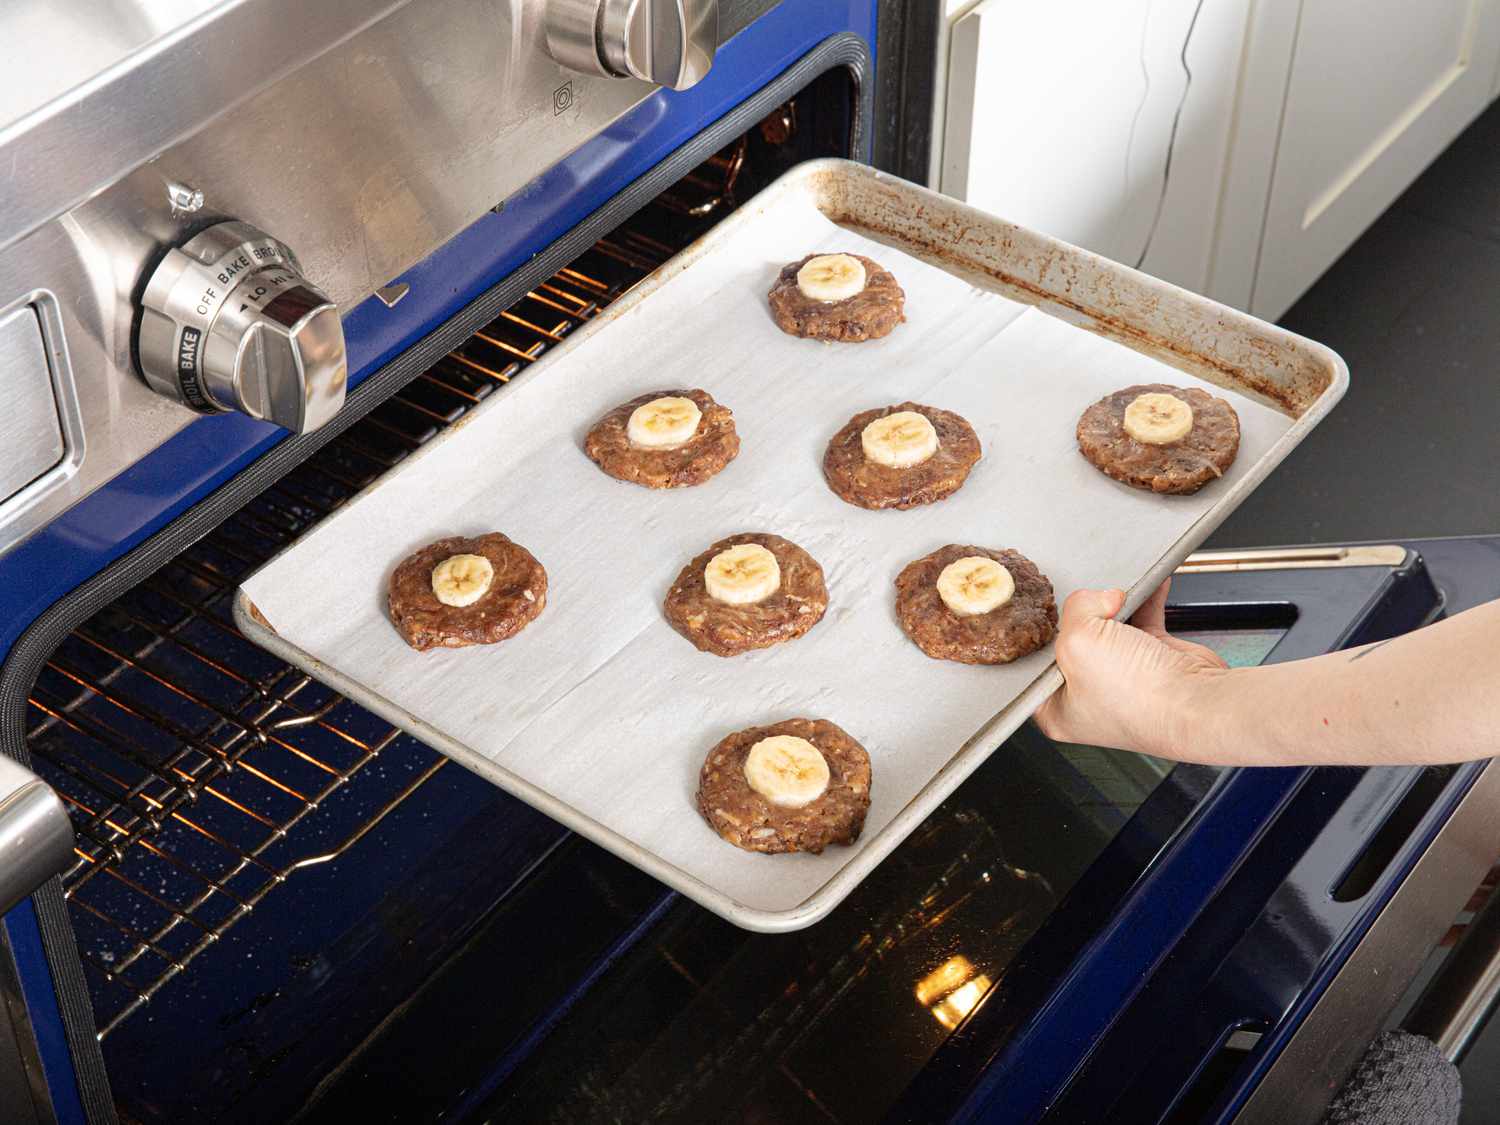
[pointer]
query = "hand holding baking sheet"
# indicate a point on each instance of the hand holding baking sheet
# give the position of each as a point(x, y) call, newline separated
point(1123, 682)
point(1418, 699)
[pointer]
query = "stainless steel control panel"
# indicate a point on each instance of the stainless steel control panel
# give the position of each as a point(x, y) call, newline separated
point(41, 425)
point(364, 136)
point(28, 403)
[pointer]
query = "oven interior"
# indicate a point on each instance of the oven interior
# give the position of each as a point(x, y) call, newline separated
point(212, 788)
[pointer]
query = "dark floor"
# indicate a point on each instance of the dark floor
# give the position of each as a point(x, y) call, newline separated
point(1414, 448)
point(1414, 308)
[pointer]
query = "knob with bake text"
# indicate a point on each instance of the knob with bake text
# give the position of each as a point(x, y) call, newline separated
point(228, 323)
point(669, 42)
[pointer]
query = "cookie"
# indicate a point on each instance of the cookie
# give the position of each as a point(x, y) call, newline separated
point(1025, 622)
point(736, 779)
point(442, 597)
point(860, 479)
point(782, 611)
point(687, 447)
point(1184, 465)
point(867, 315)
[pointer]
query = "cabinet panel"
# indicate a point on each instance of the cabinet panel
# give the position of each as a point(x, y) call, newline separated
point(1377, 89)
point(1104, 124)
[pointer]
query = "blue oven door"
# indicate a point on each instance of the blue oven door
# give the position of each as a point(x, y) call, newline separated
point(127, 528)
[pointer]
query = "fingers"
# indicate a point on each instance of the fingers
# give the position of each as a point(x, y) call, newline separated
point(1152, 615)
point(1083, 606)
point(1048, 716)
point(1052, 716)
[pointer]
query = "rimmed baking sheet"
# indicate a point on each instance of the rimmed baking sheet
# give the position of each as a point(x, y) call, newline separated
point(599, 713)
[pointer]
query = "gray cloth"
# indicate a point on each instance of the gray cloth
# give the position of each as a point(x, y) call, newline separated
point(1402, 1080)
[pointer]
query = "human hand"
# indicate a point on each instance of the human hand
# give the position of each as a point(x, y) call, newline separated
point(1132, 686)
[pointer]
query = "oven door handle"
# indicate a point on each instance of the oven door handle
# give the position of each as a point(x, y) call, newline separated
point(36, 837)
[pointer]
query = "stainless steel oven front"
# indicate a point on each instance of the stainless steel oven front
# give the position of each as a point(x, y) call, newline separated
point(252, 255)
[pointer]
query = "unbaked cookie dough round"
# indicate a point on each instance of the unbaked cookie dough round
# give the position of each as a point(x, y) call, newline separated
point(748, 818)
point(711, 445)
point(795, 604)
point(867, 315)
point(858, 479)
point(1182, 465)
point(483, 604)
point(1025, 621)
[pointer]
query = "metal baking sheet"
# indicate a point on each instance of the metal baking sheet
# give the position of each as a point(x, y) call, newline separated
point(598, 713)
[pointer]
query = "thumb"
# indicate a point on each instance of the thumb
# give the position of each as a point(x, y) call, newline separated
point(1084, 606)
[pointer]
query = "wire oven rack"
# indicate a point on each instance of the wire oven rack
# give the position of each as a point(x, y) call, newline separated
point(194, 764)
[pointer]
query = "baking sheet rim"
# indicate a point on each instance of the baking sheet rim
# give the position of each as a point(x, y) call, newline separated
point(973, 752)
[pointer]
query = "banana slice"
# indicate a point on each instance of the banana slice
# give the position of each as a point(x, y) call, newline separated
point(831, 277)
point(899, 440)
point(742, 575)
point(1158, 419)
point(663, 423)
point(974, 585)
point(462, 579)
point(787, 770)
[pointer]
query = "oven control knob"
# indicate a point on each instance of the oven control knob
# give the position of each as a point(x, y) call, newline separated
point(669, 42)
point(228, 323)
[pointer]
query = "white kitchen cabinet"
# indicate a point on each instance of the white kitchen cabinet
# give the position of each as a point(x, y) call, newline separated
point(1376, 89)
point(1235, 147)
point(1105, 124)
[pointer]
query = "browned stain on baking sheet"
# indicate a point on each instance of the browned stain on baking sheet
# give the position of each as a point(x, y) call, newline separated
point(254, 611)
point(1285, 381)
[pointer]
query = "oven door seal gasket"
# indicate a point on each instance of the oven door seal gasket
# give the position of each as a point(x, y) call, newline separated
point(26, 658)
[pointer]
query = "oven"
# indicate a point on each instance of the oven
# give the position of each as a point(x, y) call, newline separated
point(249, 899)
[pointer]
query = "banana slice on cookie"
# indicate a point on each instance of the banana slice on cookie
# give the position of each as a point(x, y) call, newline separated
point(974, 585)
point(899, 440)
point(831, 277)
point(1158, 419)
point(742, 575)
point(663, 423)
point(787, 770)
point(461, 580)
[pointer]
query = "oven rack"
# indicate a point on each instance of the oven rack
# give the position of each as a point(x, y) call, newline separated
point(200, 772)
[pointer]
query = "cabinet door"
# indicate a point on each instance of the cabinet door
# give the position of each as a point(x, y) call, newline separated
point(1377, 89)
point(1104, 124)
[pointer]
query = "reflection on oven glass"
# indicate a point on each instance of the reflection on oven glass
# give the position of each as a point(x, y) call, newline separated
point(952, 990)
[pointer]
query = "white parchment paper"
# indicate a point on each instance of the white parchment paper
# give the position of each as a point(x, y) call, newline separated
point(599, 702)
